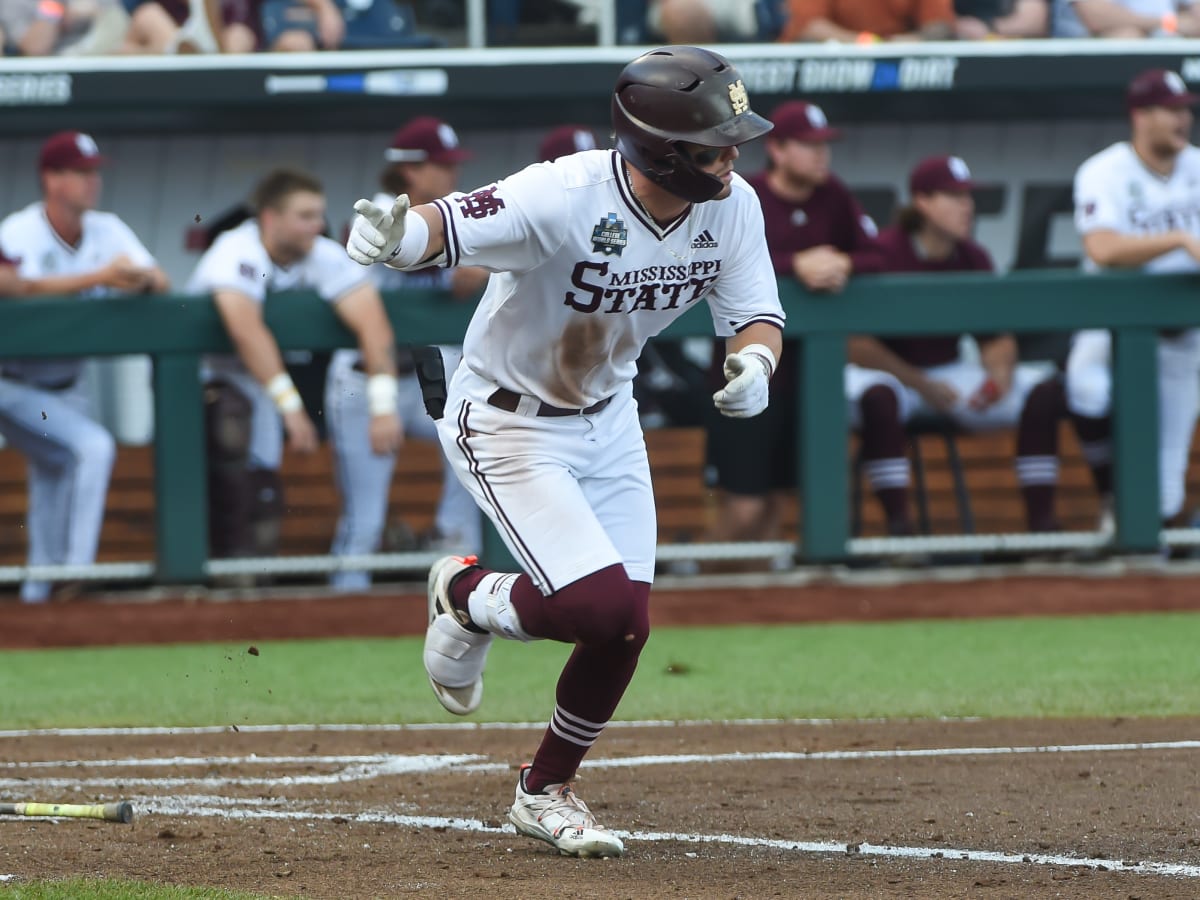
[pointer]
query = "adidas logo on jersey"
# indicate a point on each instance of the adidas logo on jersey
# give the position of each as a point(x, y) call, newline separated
point(704, 241)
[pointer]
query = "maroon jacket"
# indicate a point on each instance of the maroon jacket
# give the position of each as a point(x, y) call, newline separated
point(898, 254)
point(830, 215)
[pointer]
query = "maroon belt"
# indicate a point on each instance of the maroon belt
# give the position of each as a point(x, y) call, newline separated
point(507, 400)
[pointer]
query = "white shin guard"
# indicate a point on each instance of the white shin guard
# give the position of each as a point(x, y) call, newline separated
point(490, 607)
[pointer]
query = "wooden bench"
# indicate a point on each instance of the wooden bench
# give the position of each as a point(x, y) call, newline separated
point(685, 504)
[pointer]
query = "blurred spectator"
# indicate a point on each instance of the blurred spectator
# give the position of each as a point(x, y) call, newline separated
point(1126, 18)
point(868, 21)
point(983, 19)
point(565, 140)
point(248, 396)
point(890, 380)
point(702, 21)
point(1136, 207)
point(301, 26)
point(423, 161)
point(64, 246)
point(61, 27)
point(818, 234)
point(192, 26)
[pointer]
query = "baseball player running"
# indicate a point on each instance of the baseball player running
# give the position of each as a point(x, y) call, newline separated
point(591, 256)
point(63, 245)
point(280, 249)
point(423, 162)
point(1137, 205)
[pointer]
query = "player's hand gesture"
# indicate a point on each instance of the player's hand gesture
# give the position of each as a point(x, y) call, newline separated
point(122, 274)
point(376, 233)
point(386, 434)
point(301, 432)
point(746, 394)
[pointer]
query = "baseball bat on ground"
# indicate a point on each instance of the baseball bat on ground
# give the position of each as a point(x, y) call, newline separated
point(121, 811)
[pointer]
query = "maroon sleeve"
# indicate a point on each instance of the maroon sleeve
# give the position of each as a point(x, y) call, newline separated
point(857, 234)
point(977, 257)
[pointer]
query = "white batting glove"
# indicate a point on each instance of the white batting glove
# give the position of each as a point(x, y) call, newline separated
point(746, 394)
point(376, 233)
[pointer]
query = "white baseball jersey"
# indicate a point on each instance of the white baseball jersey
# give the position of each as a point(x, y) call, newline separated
point(584, 277)
point(238, 261)
point(27, 238)
point(1114, 190)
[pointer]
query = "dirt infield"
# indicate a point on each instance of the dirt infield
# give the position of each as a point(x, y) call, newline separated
point(998, 809)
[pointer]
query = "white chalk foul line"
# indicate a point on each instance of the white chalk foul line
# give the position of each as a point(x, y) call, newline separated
point(184, 807)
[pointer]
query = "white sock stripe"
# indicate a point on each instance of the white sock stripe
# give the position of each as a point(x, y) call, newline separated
point(882, 465)
point(1034, 470)
point(554, 726)
point(582, 724)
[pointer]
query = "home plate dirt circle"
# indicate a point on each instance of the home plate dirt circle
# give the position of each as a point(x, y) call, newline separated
point(1019, 808)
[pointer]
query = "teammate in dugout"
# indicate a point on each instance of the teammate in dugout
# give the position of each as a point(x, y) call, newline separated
point(889, 380)
point(818, 234)
point(591, 255)
point(422, 162)
point(63, 245)
point(1137, 205)
point(249, 395)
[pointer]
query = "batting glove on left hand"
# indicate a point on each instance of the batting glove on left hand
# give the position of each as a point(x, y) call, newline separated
point(746, 394)
point(376, 233)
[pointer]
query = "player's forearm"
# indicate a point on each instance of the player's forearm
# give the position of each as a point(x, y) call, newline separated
point(757, 333)
point(870, 353)
point(63, 284)
point(1119, 251)
point(435, 240)
point(256, 348)
point(999, 359)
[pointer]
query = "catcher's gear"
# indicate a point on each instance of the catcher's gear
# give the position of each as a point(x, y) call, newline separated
point(681, 94)
point(748, 373)
point(376, 233)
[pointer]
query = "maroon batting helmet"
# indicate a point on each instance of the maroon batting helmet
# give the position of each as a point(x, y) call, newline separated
point(680, 95)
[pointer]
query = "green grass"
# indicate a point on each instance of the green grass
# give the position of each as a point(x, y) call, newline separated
point(110, 889)
point(1131, 665)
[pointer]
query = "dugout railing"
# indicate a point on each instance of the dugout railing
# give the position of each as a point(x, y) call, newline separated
point(176, 331)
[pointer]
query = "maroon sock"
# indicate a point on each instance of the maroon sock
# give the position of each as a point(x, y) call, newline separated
point(1039, 507)
point(1037, 452)
point(894, 501)
point(1096, 444)
point(589, 689)
point(883, 456)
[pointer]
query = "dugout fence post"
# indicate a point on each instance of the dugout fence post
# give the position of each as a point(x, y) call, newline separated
point(1135, 438)
point(824, 443)
point(180, 483)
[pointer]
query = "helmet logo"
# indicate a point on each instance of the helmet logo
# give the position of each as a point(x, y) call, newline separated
point(739, 98)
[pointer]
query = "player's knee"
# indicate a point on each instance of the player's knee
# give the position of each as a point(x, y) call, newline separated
point(1046, 403)
point(879, 405)
point(98, 450)
point(607, 607)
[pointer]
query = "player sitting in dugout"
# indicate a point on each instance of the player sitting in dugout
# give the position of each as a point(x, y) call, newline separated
point(890, 380)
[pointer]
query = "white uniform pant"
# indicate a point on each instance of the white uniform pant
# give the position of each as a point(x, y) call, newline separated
point(569, 495)
point(364, 477)
point(1089, 393)
point(966, 378)
point(70, 459)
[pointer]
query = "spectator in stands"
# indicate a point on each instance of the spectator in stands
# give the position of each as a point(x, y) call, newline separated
point(565, 140)
point(1135, 208)
point(987, 19)
point(702, 21)
point(250, 395)
point(818, 234)
point(890, 380)
point(192, 26)
point(868, 21)
point(423, 161)
point(63, 245)
point(61, 27)
point(1126, 18)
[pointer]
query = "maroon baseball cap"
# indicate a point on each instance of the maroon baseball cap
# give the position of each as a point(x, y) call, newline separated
point(945, 174)
point(802, 121)
point(1159, 87)
point(565, 140)
point(70, 150)
point(426, 139)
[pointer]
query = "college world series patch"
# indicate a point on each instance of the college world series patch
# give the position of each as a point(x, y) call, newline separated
point(610, 236)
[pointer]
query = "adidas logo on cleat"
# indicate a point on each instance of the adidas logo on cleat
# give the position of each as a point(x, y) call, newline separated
point(704, 241)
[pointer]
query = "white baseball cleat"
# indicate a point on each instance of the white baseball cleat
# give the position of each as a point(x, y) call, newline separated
point(454, 655)
point(562, 820)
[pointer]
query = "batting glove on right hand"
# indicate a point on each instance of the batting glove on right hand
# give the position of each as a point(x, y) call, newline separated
point(746, 394)
point(376, 233)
